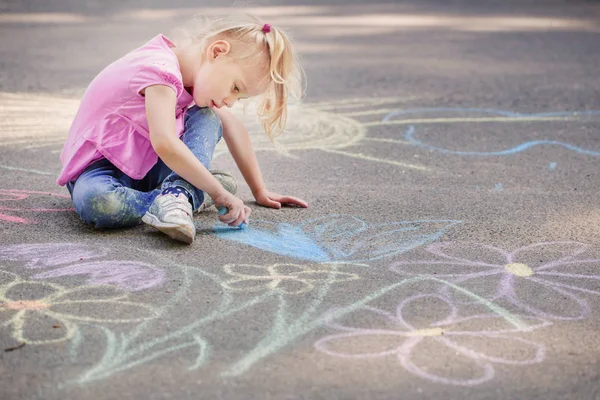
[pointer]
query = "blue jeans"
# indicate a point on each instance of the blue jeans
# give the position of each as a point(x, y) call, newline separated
point(107, 198)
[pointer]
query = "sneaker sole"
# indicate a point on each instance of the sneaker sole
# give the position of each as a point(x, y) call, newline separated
point(184, 234)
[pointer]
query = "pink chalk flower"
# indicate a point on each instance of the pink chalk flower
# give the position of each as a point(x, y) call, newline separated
point(544, 279)
point(445, 349)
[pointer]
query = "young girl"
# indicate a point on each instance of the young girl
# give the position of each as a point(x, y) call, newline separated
point(139, 149)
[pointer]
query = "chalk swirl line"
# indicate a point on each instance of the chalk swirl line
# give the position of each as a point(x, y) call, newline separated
point(503, 113)
point(409, 136)
point(410, 133)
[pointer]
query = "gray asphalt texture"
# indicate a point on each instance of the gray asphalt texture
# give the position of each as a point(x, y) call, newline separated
point(449, 152)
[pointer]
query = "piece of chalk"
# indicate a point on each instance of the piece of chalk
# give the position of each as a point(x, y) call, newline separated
point(223, 210)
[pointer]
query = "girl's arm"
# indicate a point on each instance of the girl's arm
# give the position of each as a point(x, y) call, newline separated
point(160, 111)
point(239, 145)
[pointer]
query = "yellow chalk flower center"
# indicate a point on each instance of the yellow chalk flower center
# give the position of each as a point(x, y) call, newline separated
point(518, 269)
point(427, 332)
point(26, 305)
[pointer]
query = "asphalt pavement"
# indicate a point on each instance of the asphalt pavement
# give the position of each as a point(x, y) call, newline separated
point(449, 152)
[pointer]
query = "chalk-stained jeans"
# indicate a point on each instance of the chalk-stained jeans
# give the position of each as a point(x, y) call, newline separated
point(107, 198)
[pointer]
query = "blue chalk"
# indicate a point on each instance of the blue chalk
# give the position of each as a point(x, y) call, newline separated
point(223, 210)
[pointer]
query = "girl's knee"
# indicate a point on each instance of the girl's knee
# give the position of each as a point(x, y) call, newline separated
point(104, 209)
point(204, 116)
point(196, 112)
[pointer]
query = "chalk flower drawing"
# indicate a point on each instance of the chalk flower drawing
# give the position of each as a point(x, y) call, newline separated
point(42, 312)
point(74, 259)
point(398, 337)
point(283, 278)
point(338, 238)
point(541, 271)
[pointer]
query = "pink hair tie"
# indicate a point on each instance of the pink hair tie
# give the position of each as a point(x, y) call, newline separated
point(266, 28)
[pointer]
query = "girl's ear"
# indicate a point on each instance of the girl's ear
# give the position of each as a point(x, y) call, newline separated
point(218, 48)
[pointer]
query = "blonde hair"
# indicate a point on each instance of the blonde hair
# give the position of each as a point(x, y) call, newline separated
point(284, 71)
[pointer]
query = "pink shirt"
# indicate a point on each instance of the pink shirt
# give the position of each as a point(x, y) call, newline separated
point(111, 121)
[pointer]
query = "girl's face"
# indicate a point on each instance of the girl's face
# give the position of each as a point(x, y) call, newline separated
point(221, 79)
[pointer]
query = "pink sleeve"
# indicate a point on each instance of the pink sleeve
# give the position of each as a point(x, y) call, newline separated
point(157, 73)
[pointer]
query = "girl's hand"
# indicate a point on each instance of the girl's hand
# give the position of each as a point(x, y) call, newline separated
point(275, 200)
point(238, 212)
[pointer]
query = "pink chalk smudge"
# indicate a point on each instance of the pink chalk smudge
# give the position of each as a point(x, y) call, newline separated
point(69, 257)
point(128, 275)
point(43, 255)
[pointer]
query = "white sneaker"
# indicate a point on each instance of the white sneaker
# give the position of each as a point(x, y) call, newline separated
point(225, 179)
point(172, 215)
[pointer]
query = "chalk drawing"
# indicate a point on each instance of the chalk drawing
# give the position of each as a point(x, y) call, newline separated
point(541, 271)
point(283, 278)
point(33, 118)
point(66, 312)
point(551, 166)
point(502, 116)
point(128, 275)
point(73, 260)
point(33, 171)
point(337, 238)
point(61, 308)
point(400, 338)
point(361, 102)
point(127, 351)
point(410, 137)
point(335, 127)
point(317, 126)
point(287, 328)
point(7, 196)
point(330, 127)
point(324, 126)
point(136, 341)
point(44, 255)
